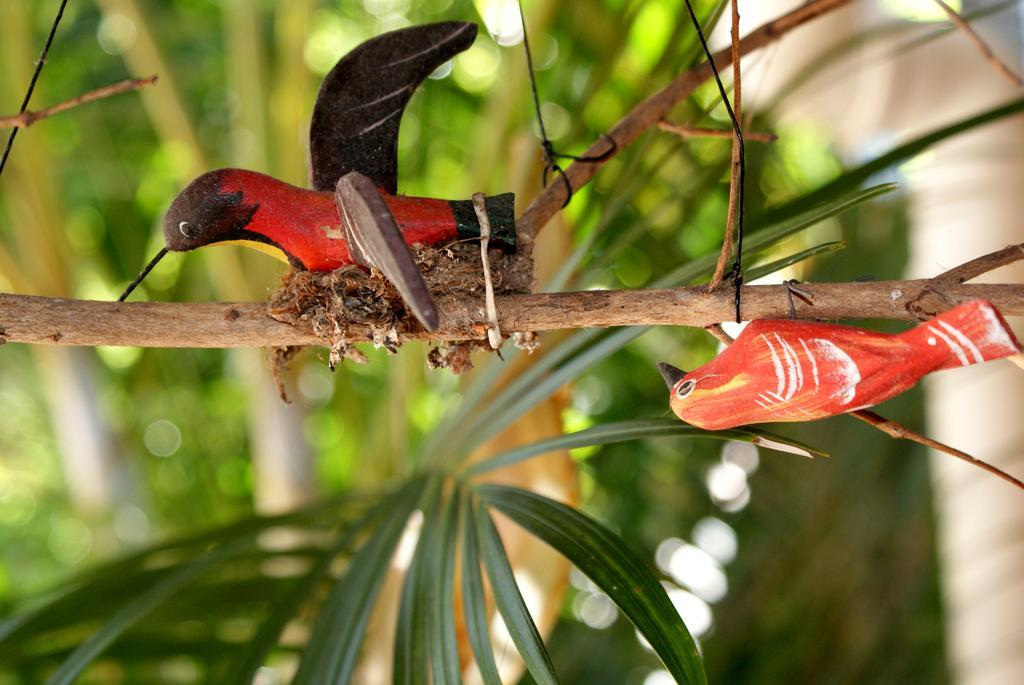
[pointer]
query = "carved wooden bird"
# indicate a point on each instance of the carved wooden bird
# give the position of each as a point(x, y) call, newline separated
point(788, 370)
point(353, 213)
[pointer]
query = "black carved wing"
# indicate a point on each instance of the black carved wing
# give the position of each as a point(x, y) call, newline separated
point(374, 240)
point(360, 104)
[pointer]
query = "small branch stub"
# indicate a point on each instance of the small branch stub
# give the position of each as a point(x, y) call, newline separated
point(698, 132)
point(28, 117)
point(986, 52)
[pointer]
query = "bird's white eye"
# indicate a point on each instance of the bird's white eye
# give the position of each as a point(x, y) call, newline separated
point(685, 388)
point(185, 228)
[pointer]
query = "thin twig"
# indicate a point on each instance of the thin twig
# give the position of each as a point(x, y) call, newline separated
point(32, 84)
point(979, 43)
point(719, 334)
point(698, 132)
point(901, 432)
point(983, 264)
point(650, 111)
point(27, 117)
point(897, 430)
point(735, 179)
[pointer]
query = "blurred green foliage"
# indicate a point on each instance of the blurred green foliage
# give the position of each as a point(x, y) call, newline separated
point(835, 575)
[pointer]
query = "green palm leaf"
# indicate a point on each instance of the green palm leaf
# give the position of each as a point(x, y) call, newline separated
point(473, 603)
point(510, 601)
point(623, 431)
point(131, 613)
point(331, 654)
point(605, 559)
point(444, 648)
point(855, 177)
point(410, 660)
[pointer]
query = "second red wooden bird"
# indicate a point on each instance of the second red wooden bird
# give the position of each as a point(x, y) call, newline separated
point(789, 370)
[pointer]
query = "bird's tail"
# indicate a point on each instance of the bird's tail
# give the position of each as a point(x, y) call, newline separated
point(970, 333)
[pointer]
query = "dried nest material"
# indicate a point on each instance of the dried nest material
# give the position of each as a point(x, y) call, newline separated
point(526, 340)
point(455, 269)
point(456, 357)
point(332, 303)
point(280, 357)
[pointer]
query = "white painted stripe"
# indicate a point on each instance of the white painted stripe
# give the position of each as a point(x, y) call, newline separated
point(766, 398)
point(777, 364)
point(382, 98)
point(799, 367)
point(963, 340)
point(379, 122)
point(996, 333)
point(814, 363)
point(951, 344)
point(447, 39)
point(844, 367)
point(793, 405)
point(796, 374)
point(763, 405)
point(790, 372)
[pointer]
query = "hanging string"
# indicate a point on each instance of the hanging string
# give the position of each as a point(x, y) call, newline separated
point(737, 271)
point(550, 155)
point(32, 83)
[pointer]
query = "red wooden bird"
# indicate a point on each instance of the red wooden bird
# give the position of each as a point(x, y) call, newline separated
point(788, 370)
point(353, 213)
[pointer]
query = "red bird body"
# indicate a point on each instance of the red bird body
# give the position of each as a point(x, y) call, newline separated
point(788, 370)
point(305, 226)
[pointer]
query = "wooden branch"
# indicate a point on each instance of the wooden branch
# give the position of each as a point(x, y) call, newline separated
point(27, 118)
point(901, 432)
point(56, 321)
point(652, 110)
point(979, 43)
point(698, 132)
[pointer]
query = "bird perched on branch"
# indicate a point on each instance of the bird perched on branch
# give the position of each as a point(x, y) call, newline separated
point(788, 370)
point(353, 213)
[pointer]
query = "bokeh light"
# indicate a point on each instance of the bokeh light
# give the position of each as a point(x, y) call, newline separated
point(162, 438)
point(698, 571)
point(717, 538)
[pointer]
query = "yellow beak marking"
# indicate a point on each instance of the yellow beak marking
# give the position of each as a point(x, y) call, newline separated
point(275, 252)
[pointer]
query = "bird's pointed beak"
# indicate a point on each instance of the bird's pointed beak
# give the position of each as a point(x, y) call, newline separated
point(145, 272)
point(671, 374)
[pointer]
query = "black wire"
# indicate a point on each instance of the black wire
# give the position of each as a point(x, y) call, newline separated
point(550, 155)
point(533, 82)
point(142, 274)
point(737, 270)
point(32, 84)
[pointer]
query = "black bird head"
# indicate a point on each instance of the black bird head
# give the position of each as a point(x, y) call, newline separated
point(200, 215)
point(203, 213)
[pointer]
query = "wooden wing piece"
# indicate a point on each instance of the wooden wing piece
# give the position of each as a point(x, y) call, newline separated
point(374, 240)
point(361, 101)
